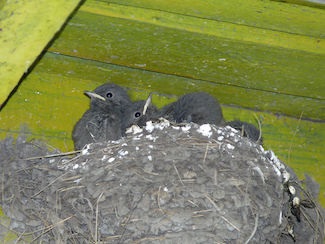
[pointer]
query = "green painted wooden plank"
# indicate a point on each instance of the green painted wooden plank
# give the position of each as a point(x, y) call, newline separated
point(209, 27)
point(310, 3)
point(50, 101)
point(270, 15)
point(203, 57)
point(170, 85)
point(26, 27)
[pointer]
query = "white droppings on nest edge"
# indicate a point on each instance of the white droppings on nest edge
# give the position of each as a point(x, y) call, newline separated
point(110, 160)
point(186, 128)
point(230, 147)
point(232, 129)
point(77, 180)
point(151, 138)
point(104, 157)
point(123, 153)
point(277, 165)
point(164, 123)
point(134, 129)
point(205, 130)
point(85, 150)
point(137, 138)
point(260, 173)
point(149, 126)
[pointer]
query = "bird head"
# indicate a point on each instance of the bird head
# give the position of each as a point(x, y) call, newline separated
point(139, 113)
point(109, 96)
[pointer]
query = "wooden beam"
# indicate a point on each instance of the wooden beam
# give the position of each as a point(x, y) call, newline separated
point(26, 27)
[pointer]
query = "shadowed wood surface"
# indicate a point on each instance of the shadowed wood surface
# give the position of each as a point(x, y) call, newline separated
point(260, 58)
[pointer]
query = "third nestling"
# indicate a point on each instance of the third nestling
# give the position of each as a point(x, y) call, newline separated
point(197, 107)
point(202, 108)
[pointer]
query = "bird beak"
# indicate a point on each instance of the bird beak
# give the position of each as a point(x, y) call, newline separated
point(146, 105)
point(94, 95)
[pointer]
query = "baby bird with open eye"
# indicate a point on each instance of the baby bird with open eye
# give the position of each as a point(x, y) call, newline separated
point(102, 121)
point(139, 113)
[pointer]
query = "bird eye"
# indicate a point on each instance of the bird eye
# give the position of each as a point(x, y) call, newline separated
point(137, 114)
point(109, 94)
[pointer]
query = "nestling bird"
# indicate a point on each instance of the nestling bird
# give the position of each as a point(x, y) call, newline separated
point(247, 130)
point(139, 113)
point(196, 107)
point(102, 121)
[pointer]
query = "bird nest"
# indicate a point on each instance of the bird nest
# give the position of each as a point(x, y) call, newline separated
point(160, 184)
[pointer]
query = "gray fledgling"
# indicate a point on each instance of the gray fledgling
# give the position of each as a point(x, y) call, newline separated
point(196, 107)
point(247, 130)
point(102, 121)
point(139, 113)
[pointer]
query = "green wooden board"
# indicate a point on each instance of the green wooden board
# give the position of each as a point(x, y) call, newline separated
point(311, 3)
point(270, 74)
point(264, 15)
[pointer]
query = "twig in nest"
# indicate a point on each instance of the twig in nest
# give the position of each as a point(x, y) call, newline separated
point(205, 153)
point(158, 198)
point(47, 229)
point(224, 218)
point(48, 185)
point(314, 225)
point(254, 230)
point(19, 237)
point(3, 187)
point(72, 159)
point(135, 204)
point(179, 177)
point(259, 127)
point(203, 211)
point(193, 203)
point(96, 225)
point(54, 155)
point(143, 177)
point(90, 205)
point(149, 239)
point(70, 188)
point(112, 237)
point(294, 135)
